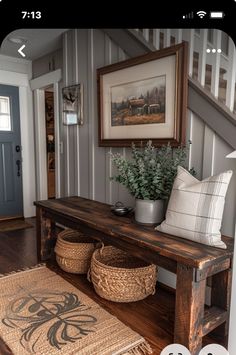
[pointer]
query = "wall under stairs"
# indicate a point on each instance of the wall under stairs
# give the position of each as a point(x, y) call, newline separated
point(86, 167)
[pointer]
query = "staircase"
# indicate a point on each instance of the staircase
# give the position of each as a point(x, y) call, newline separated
point(215, 71)
point(212, 74)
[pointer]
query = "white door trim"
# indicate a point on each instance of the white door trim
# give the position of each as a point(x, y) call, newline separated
point(40, 145)
point(37, 85)
point(21, 80)
point(46, 80)
point(12, 78)
point(57, 138)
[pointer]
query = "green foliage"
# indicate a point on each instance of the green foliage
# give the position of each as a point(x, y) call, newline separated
point(150, 174)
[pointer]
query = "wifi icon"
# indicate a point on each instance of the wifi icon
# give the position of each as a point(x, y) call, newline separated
point(201, 13)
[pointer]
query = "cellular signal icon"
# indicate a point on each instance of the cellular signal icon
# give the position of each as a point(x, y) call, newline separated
point(189, 15)
point(201, 13)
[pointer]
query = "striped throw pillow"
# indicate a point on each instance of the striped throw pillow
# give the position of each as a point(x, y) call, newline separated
point(195, 208)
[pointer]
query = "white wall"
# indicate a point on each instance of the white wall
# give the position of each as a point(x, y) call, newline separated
point(17, 72)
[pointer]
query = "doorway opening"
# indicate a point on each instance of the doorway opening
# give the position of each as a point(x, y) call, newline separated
point(50, 140)
point(47, 82)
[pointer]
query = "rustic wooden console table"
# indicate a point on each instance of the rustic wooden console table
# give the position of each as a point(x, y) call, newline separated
point(193, 263)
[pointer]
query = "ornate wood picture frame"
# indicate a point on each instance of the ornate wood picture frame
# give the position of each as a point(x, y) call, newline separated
point(144, 98)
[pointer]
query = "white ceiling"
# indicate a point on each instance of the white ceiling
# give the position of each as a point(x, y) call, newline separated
point(38, 42)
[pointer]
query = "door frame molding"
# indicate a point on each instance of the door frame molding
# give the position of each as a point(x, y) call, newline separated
point(21, 80)
point(37, 86)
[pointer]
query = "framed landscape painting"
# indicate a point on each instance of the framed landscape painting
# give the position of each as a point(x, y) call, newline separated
point(144, 98)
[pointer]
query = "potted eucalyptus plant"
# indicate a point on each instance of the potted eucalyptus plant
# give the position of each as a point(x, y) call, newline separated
point(149, 176)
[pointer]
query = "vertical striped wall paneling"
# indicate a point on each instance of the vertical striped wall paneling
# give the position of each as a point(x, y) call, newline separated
point(86, 168)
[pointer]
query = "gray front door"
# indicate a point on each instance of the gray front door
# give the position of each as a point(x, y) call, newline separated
point(11, 201)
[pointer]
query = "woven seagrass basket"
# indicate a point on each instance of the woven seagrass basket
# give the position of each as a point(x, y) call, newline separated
point(74, 251)
point(119, 277)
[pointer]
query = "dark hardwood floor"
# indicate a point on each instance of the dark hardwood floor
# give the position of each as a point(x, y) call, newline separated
point(18, 248)
point(152, 317)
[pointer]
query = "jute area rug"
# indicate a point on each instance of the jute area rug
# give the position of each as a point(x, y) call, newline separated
point(6, 226)
point(42, 314)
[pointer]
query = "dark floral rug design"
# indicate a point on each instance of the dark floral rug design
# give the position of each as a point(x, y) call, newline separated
point(67, 317)
point(41, 313)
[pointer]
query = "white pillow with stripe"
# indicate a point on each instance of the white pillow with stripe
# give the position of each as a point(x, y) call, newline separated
point(195, 208)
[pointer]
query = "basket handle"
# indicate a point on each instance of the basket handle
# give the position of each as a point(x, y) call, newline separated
point(101, 248)
point(99, 245)
point(89, 275)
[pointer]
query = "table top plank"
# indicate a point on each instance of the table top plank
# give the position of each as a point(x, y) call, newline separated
point(98, 215)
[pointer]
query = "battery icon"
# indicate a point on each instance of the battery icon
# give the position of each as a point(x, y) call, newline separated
point(216, 14)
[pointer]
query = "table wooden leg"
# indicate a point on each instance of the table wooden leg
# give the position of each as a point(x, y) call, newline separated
point(189, 309)
point(46, 235)
point(220, 297)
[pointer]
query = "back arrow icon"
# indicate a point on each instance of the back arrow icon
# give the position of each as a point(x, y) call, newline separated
point(21, 49)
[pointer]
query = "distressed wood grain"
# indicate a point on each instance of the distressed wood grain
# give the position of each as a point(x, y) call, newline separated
point(152, 317)
point(79, 210)
point(189, 309)
point(220, 297)
point(192, 262)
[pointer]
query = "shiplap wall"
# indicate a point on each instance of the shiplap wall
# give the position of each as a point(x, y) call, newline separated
point(207, 156)
point(86, 167)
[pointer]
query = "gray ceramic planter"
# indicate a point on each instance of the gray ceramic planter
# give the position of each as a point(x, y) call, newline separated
point(149, 211)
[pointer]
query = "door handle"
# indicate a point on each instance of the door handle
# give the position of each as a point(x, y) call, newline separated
point(18, 163)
